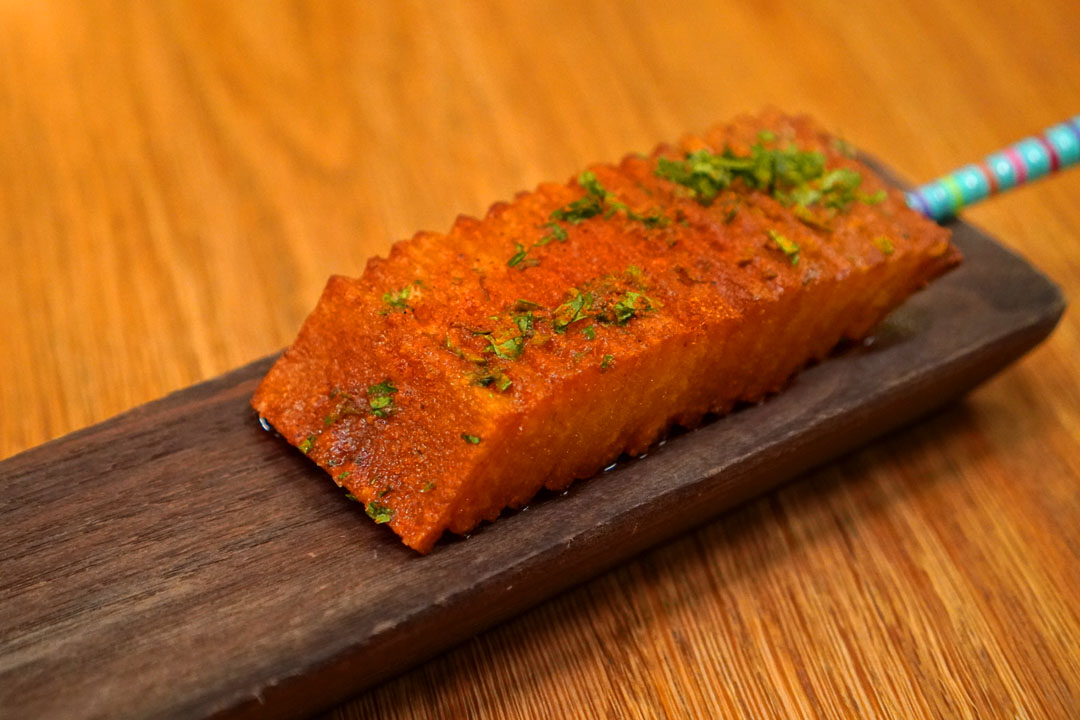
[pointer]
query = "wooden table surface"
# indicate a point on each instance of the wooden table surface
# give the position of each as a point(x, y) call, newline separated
point(178, 179)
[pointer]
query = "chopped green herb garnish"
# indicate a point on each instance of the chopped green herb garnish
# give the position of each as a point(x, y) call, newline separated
point(344, 475)
point(508, 349)
point(428, 487)
point(588, 181)
point(793, 176)
point(884, 244)
point(306, 444)
point(704, 173)
point(524, 322)
point(381, 404)
point(580, 354)
point(874, 198)
point(381, 398)
point(495, 377)
point(589, 332)
point(597, 200)
point(607, 362)
point(449, 345)
point(809, 217)
point(350, 496)
point(585, 207)
point(628, 307)
point(766, 136)
point(555, 232)
point(574, 309)
point(838, 188)
point(379, 513)
point(395, 300)
point(788, 247)
point(518, 256)
point(471, 439)
point(523, 305)
point(345, 406)
point(654, 220)
point(386, 387)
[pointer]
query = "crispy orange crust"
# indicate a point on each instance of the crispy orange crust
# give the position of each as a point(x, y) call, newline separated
point(728, 318)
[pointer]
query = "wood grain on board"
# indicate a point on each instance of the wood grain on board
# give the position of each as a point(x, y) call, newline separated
point(177, 179)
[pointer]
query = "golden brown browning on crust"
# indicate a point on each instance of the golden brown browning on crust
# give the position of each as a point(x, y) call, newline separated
point(446, 385)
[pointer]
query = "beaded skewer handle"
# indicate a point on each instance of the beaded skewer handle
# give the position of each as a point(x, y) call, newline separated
point(1027, 160)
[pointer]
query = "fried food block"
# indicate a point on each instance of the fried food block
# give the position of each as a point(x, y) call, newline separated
point(466, 371)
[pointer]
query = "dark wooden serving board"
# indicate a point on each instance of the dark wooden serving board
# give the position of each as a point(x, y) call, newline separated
point(179, 561)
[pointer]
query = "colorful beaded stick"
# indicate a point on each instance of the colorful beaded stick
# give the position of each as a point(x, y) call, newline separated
point(1027, 160)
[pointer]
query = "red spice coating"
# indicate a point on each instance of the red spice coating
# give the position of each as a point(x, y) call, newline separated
point(721, 315)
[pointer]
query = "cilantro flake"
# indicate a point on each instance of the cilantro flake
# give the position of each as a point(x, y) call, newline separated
point(884, 244)
point(627, 307)
point(524, 322)
point(838, 188)
point(524, 305)
point(395, 300)
point(379, 513)
point(585, 207)
point(574, 309)
point(518, 256)
point(786, 246)
point(381, 398)
point(597, 200)
point(792, 176)
point(508, 349)
point(494, 376)
point(555, 232)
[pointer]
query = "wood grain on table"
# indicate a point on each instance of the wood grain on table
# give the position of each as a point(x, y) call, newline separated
point(178, 179)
